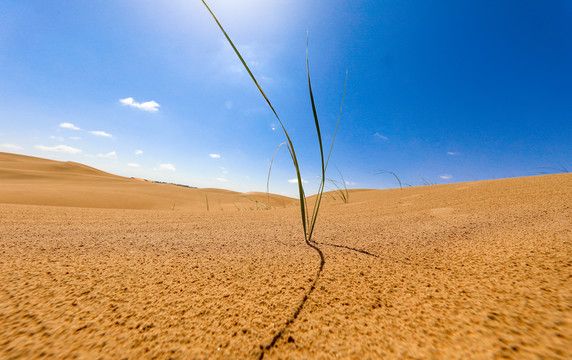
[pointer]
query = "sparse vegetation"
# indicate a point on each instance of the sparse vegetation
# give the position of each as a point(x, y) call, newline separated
point(392, 173)
point(308, 215)
point(170, 183)
point(550, 170)
point(426, 182)
point(341, 190)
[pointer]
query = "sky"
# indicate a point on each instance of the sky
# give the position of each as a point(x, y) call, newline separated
point(438, 91)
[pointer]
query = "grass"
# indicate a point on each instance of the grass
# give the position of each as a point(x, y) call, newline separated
point(560, 169)
point(308, 215)
point(342, 190)
point(394, 175)
point(426, 182)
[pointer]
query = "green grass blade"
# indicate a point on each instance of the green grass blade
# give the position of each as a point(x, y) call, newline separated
point(339, 118)
point(395, 175)
point(324, 166)
point(347, 194)
point(290, 144)
point(338, 189)
point(314, 111)
point(242, 60)
point(303, 204)
point(321, 188)
point(314, 217)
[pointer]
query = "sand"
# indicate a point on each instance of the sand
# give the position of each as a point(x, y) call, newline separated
point(94, 265)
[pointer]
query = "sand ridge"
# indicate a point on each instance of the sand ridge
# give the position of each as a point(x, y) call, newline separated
point(35, 181)
point(472, 270)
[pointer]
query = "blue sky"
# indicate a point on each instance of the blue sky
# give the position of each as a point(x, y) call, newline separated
point(438, 91)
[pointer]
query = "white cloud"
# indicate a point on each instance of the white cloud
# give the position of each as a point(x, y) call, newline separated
point(59, 148)
point(10, 147)
point(379, 136)
point(69, 126)
point(452, 153)
point(446, 176)
point(295, 181)
point(59, 138)
point(170, 167)
point(133, 165)
point(111, 155)
point(75, 138)
point(138, 152)
point(221, 179)
point(150, 106)
point(101, 133)
point(215, 156)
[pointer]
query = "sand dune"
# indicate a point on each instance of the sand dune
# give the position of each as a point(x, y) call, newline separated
point(35, 181)
point(94, 265)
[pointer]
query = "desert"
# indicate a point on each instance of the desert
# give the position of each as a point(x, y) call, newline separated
point(292, 179)
point(98, 266)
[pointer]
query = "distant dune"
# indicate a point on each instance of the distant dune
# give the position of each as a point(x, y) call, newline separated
point(35, 181)
point(97, 266)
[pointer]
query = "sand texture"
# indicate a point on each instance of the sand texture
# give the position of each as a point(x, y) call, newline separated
point(96, 266)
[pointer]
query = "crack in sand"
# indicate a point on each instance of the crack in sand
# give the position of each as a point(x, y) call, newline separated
point(347, 248)
point(279, 334)
point(313, 244)
point(361, 251)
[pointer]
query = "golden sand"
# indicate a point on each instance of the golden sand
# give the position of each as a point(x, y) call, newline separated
point(94, 265)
